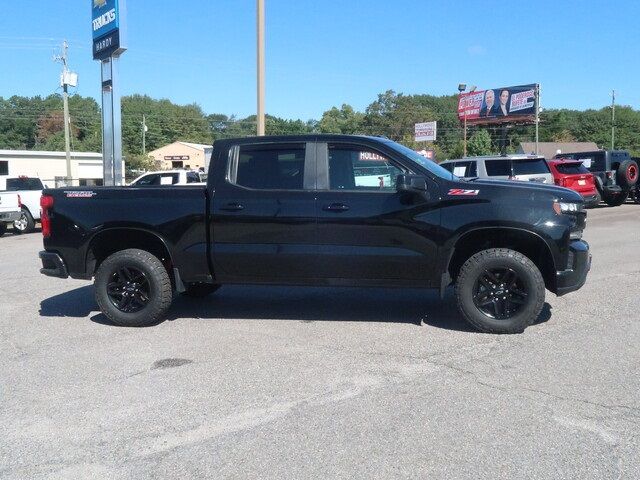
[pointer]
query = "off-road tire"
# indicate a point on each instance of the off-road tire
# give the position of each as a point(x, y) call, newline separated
point(160, 289)
point(199, 291)
point(627, 174)
point(615, 200)
point(27, 219)
point(500, 258)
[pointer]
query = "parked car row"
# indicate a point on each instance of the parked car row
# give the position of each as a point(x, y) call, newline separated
point(608, 175)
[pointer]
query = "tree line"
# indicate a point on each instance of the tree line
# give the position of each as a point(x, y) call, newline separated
point(37, 123)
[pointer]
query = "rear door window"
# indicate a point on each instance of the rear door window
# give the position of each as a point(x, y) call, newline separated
point(465, 169)
point(269, 167)
point(448, 166)
point(530, 166)
point(498, 168)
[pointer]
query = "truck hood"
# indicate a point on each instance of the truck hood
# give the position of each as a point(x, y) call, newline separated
point(558, 193)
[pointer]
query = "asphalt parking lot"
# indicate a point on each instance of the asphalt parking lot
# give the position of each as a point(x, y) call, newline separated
point(322, 383)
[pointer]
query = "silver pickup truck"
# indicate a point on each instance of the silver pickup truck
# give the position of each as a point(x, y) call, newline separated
point(10, 210)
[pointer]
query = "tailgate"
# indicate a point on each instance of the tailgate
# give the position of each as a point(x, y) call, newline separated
point(9, 202)
point(579, 182)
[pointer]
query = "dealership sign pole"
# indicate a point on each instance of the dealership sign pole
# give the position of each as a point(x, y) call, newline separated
point(107, 24)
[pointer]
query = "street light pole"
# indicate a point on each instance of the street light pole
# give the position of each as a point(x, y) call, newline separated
point(461, 88)
point(613, 118)
point(260, 113)
point(465, 133)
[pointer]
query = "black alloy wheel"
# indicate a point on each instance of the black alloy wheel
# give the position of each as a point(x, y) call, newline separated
point(500, 290)
point(129, 290)
point(499, 293)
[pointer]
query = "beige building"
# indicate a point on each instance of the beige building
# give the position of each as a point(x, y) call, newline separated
point(549, 149)
point(51, 167)
point(191, 156)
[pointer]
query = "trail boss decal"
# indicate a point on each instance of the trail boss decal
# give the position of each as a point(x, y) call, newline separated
point(462, 191)
point(72, 194)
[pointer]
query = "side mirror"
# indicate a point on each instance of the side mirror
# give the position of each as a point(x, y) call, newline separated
point(414, 184)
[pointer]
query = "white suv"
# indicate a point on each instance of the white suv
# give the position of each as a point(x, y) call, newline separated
point(531, 168)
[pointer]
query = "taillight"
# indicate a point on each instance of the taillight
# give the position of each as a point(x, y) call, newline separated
point(19, 202)
point(46, 204)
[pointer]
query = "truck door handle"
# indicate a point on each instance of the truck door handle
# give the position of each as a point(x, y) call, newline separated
point(336, 207)
point(232, 207)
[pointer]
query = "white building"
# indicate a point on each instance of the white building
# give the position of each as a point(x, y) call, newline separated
point(191, 156)
point(51, 167)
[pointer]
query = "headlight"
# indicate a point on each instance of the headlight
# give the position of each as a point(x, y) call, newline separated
point(565, 207)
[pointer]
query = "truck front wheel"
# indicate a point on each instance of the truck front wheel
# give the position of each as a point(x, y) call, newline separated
point(133, 288)
point(500, 291)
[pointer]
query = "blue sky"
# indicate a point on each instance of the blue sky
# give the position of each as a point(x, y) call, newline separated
point(329, 52)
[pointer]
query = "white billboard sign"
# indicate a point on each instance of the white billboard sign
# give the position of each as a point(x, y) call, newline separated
point(425, 132)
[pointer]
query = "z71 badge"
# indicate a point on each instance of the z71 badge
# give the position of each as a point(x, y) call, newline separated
point(462, 191)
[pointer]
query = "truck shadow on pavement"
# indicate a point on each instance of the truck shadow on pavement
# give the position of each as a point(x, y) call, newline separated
point(303, 304)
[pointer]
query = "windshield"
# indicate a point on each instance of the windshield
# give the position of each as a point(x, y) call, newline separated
point(424, 162)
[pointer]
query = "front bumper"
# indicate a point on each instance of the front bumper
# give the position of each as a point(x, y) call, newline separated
point(579, 265)
point(10, 217)
point(53, 265)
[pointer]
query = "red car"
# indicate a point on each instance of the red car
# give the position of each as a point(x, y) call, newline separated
point(570, 173)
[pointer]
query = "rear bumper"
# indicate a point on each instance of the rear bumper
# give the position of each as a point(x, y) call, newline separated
point(612, 189)
point(9, 217)
point(579, 265)
point(53, 265)
point(591, 200)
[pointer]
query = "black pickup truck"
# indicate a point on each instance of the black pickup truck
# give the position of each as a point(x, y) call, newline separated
point(321, 210)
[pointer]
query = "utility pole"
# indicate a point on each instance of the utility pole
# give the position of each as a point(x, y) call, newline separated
point(260, 28)
point(144, 135)
point(65, 80)
point(613, 118)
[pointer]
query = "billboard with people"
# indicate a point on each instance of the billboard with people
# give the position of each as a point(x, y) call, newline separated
point(499, 105)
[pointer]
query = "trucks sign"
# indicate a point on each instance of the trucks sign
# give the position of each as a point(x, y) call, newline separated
point(106, 28)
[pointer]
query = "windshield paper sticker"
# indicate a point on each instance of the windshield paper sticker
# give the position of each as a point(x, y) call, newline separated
point(462, 191)
point(73, 194)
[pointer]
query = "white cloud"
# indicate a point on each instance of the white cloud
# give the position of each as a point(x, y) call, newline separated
point(476, 50)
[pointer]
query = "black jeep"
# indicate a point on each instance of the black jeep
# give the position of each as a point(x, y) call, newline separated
point(616, 173)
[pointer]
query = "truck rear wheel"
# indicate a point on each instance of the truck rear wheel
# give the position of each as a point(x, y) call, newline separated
point(133, 288)
point(3, 229)
point(25, 224)
point(500, 291)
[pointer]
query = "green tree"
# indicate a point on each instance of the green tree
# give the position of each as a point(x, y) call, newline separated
point(344, 120)
point(479, 144)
